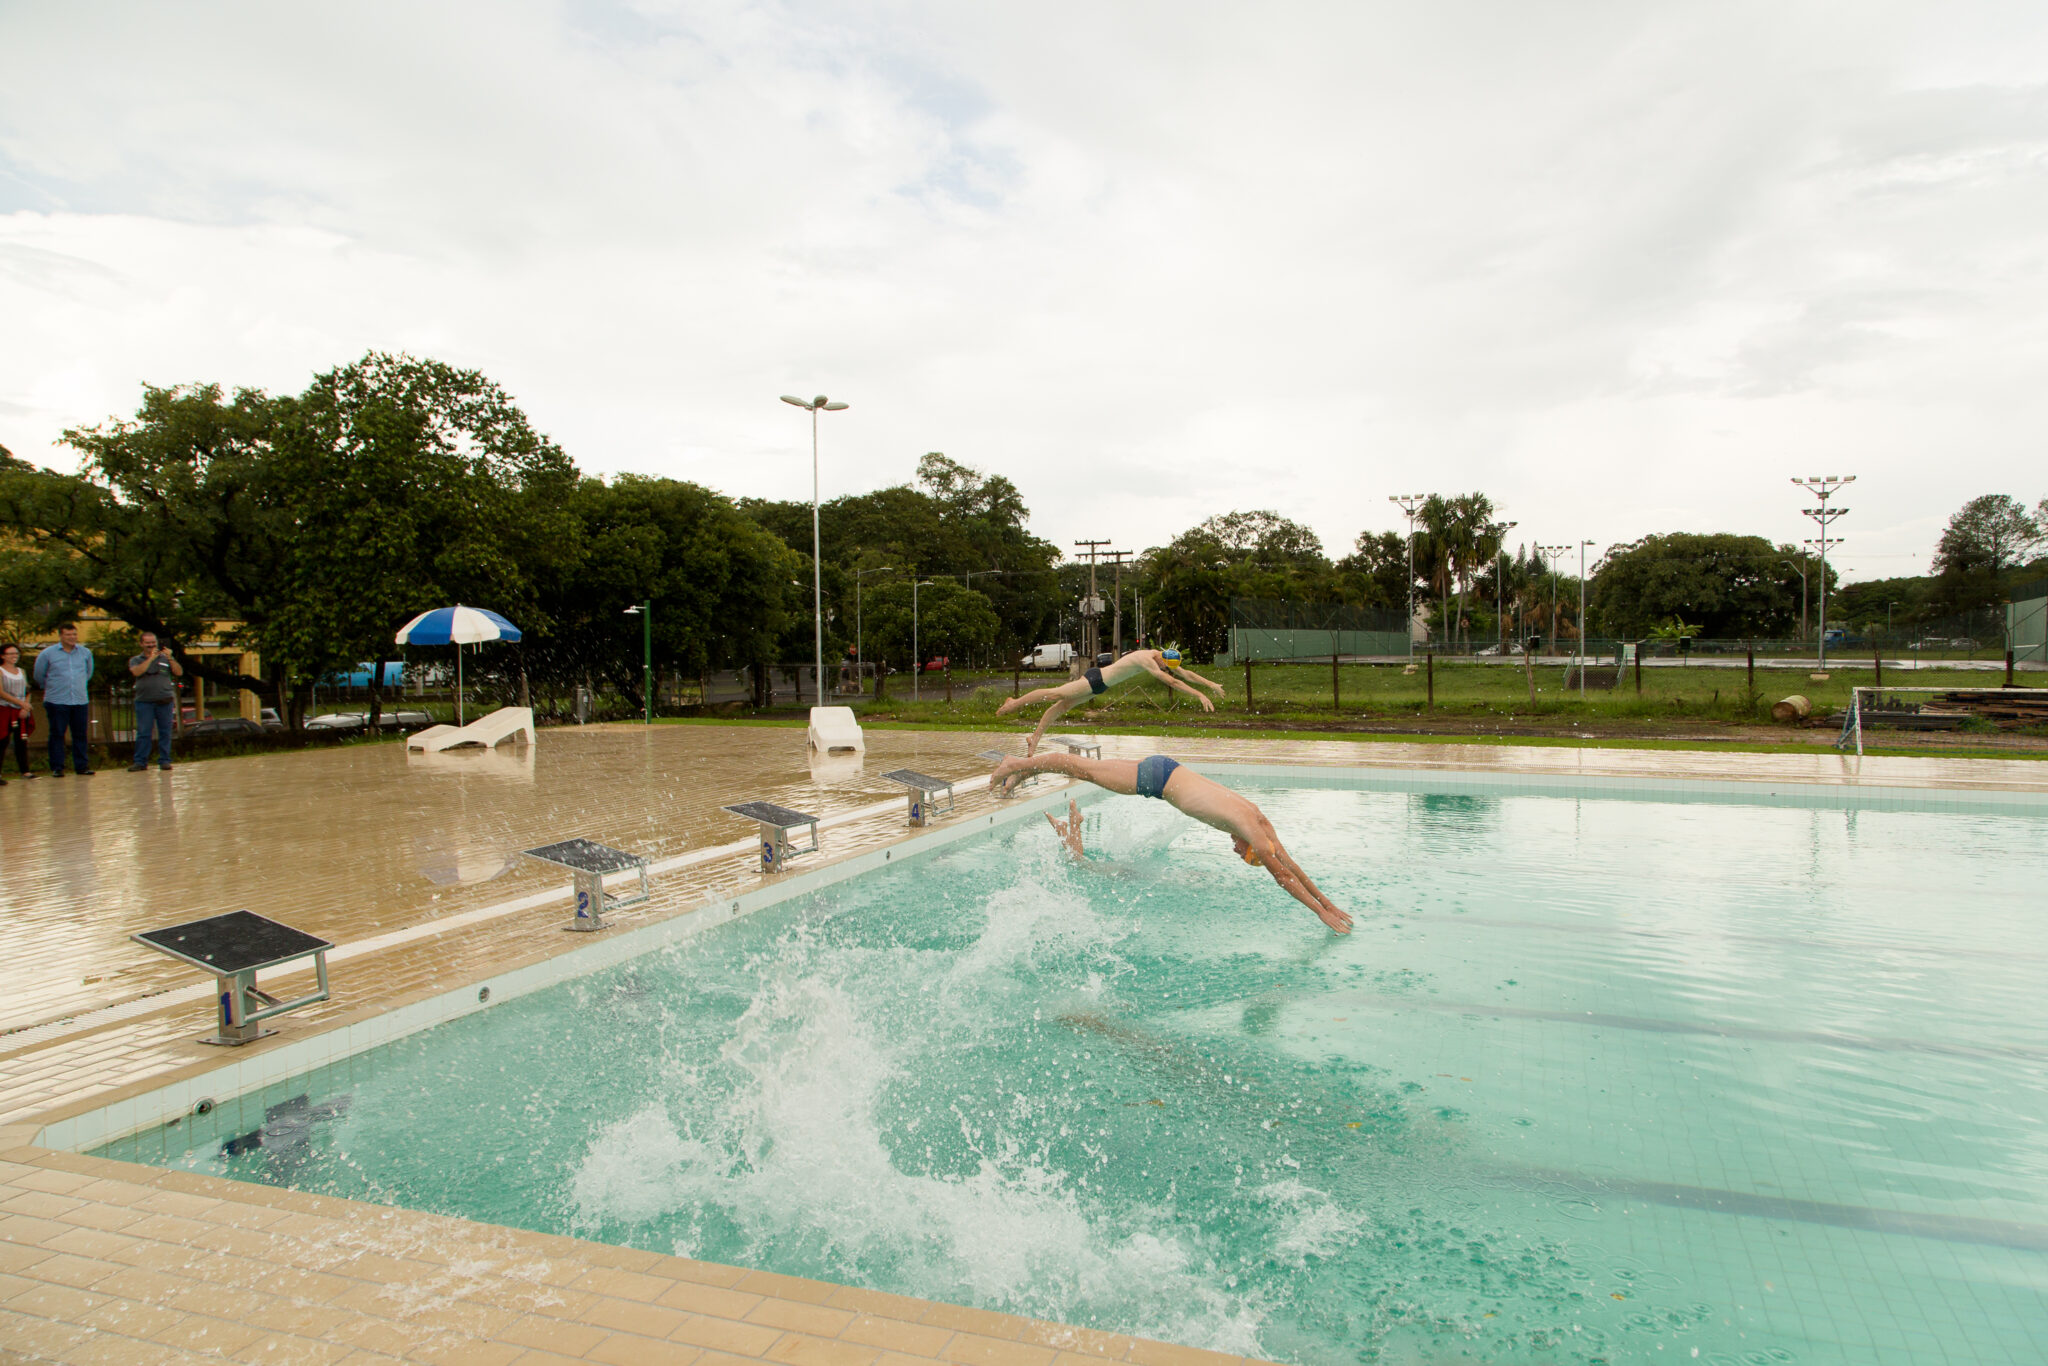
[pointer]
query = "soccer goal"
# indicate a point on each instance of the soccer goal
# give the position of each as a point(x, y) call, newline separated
point(1938, 709)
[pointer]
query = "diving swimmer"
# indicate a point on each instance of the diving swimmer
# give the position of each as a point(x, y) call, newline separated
point(1252, 836)
point(1164, 665)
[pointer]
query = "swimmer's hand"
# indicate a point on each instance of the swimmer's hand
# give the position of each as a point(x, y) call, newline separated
point(1207, 705)
point(1069, 830)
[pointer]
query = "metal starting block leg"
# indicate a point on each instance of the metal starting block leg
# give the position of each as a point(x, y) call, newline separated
point(244, 1006)
point(777, 825)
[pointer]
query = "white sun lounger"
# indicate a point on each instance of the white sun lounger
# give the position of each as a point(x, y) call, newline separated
point(834, 728)
point(488, 731)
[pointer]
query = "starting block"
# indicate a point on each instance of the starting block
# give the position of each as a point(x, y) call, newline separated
point(926, 794)
point(234, 948)
point(777, 825)
point(589, 863)
point(1078, 745)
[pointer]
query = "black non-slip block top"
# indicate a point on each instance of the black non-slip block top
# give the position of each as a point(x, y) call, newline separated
point(586, 856)
point(234, 942)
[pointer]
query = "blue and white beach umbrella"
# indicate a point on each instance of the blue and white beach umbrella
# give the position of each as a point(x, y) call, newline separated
point(457, 626)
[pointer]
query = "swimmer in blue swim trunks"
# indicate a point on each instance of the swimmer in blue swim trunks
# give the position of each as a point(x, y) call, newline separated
point(1164, 665)
point(1252, 836)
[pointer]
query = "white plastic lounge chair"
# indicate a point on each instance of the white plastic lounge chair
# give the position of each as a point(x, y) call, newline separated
point(834, 728)
point(488, 731)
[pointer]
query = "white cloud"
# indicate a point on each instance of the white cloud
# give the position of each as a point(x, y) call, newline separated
point(1624, 267)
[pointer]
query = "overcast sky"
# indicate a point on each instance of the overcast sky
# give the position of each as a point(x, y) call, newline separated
point(1625, 267)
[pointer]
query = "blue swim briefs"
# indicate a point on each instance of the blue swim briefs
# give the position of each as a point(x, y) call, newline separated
point(1094, 677)
point(1153, 771)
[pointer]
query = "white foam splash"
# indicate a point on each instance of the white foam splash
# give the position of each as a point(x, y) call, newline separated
point(1308, 1222)
point(797, 1155)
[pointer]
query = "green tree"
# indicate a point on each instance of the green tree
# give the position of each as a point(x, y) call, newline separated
point(1732, 586)
point(950, 620)
point(1984, 541)
point(725, 590)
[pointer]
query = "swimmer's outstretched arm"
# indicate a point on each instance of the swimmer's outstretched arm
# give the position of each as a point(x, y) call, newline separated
point(1213, 804)
point(1301, 887)
point(1069, 830)
point(1166, 676)
point(1211, 684)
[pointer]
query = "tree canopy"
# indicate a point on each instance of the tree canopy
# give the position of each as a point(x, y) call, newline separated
point(1729, 586)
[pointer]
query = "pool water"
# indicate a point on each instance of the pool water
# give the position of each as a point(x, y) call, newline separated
point(1594, 1080)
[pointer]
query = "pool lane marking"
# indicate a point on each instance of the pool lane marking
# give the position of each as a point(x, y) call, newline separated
point(102, 1016)
point(1948, 1228)
point(1652, 1025)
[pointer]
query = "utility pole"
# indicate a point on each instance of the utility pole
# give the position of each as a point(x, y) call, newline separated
point(1116, 592)
point(1822, 487)
point(1500, 583)
point(1091, 606)
point(1409, 503)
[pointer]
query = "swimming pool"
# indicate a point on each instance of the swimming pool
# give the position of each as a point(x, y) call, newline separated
point(1596, 1079)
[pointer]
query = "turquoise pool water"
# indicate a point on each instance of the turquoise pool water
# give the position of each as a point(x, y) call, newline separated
point(1595, 1080)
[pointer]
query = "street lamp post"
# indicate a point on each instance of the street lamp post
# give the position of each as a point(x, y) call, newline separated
point(1500, 591)
point(860, 656)
point(814, 407)
point(1408, 503)
point(1823, 486)
point(916, 653)
point(1800, 569)
point(1582, 619)
point(645, 611)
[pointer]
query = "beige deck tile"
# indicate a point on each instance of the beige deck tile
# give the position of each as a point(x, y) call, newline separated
point(627, 1349)
point(618, 1284)
point(204, 1334)
point(723, 1335)
point(108, 1349)
point(769, 1283)
point(131, 1318)
point(902, 1359)
point(106, 1218)
point(284, 1349)
point(47, 1178)
point(894, 1335)
point(27, 1228)
point(987, 1323)
point(1067, 1338)
point(471, 1354)
point(47, 1301)
point(816, 1319)
point(634, 1317)
point(801, 1349)
point(90, 1242)
point(1146, 1353)
point(552, 1335)
point(972, 1349)
point(878, 1302)
point(1081, 1359)
point(22, 1256)
point(708, 1299)
point(80, 1273)
point(43, 1204)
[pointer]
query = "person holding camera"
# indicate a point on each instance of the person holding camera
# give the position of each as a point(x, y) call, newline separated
point(156, 701)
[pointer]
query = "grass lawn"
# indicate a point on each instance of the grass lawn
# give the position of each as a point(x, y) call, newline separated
point(1677, 708)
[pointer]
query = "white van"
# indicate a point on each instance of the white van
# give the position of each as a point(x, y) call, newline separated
point(1050, 657)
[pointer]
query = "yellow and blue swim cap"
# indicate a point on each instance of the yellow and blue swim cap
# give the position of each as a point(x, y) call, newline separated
point(1170, 658)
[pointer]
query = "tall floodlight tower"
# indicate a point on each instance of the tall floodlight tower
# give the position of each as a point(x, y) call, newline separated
point(820, 404)
point(1410, 503)
point(1823, 487)
point(1550, 554)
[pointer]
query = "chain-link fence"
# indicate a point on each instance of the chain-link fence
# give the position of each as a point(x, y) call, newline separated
point(1282, 629)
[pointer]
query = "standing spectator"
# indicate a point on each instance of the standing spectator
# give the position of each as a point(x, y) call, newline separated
point(156, 701)
point(63, 671)
point(17, 722)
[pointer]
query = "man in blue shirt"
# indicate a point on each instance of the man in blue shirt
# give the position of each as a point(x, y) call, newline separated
point(62, 671)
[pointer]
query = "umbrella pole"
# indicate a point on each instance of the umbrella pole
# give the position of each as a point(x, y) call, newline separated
point(458, 684)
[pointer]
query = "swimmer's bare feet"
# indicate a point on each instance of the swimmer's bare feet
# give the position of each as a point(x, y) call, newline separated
point(1009, 705)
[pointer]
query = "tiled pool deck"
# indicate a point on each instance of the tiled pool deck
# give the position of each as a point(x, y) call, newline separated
point(403, 862)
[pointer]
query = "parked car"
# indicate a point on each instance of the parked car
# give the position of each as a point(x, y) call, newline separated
point(936, 663)
point(226, 725)
point(1050, 657)
point(338, 720)
point(404, 720)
